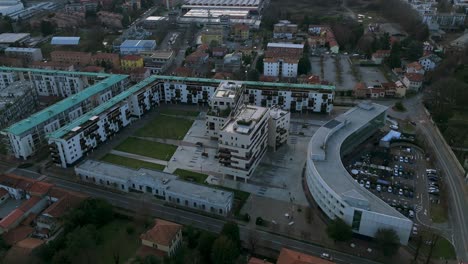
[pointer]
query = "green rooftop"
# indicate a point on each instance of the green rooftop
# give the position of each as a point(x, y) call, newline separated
point(59, 133)
point(251, 83)
point(13, 69)
point(53, 110)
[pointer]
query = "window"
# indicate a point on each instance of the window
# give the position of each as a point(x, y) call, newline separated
point(194, 204)
point(356, 219)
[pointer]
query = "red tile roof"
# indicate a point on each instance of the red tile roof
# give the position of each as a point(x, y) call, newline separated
point(223, 76)
point(26, 206)
point(162, 233)
point(19, 233)
point(30, 243)
point(360, 86)
point(241, 26)
point(40, 188)
point(3, 192)
point(57, 192)
point(11, 218)
point(183, 72)
point(288, 256)
point(416, 65)
point(59, 208)
point(414, 77)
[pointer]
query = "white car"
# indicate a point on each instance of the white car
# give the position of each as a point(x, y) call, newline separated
point(379, 188)
point(394, 127)
point(411, 213)
point(326, 256)
point(368, 184)
point(390, 189)
point(400, 192)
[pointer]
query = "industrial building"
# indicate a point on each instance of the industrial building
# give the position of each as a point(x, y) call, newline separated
point(25, 137)
point(334, 189)
point(160, 184)
point(8, 7)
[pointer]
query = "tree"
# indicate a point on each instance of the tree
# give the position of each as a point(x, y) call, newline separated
point(247, 59)
point(97, 212)
point(205, 242)
point(192, 236)
point(394, 60)
point(47, 28)
point(339, 230)
point(414, 51)
point(214, 44)
point(304, 66)
point(387, 241)
point(224, 251)
point(150, 259)
point(231, 231)
point(259, 63)
point(253, 75)
point(81, 241)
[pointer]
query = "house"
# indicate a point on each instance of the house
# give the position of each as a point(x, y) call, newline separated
point(241, 31)
point(284, 29)
point(223, 76)
point(379, 56)
point(197, 58)
point(413, 81)
point(50, 218)
point(288, 256)
point(158, 61)
point(415, 67)
point(52, 65)
point(164, 236)
point(218, 51)
point(15, 185)
point(360, 90)
point(11, 220)
point(4, 195)
point(320, 36)
point(31, 206)
point(430, 62)
point(130, 62)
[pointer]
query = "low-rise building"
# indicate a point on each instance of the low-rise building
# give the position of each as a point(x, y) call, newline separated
point(413, 81)
point(164, 185)
point(77, 58)
point(130, 62)
point(14, 38)
point(109, 19)
point(321, 36)
point(278, 127)
point(130, 46)
point(430, 62)
point(284, 29)
point(415, 67)
point(230, 63)
point(52, 65)
point(198, 58)
point(243, 142)
point(158, 61)
point(241, 31)
point(379, 56)
point(209, 35)
point(106, 60)
point(282, 59)
point(26, 54)
point(164, 236)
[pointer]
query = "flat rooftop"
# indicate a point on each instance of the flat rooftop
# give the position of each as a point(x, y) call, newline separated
point(65, 41)
point(227, 89)
point(75, 125)
point(55, 109)
point(285, 45)
point(202, 12)
point(224, 2)
point(137, 43)
point(332, 170)
point(276, 112)
point(155, 18)
point(12, 49)
point(246, 120)
point(12, 37)
point(252, 84)
point(151, 177)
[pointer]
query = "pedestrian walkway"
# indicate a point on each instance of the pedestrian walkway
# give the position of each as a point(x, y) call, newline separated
point(138, 157)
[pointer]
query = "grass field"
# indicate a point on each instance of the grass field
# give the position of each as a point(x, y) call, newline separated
point(116, 239)
point(191, 176)
point(443, 249)
point(132, 163)
point(147, 148)
point(178, 112)
point(165, 127)
point(438, 213)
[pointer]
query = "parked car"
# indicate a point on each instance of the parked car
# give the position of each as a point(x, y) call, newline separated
point(390, 190)
point(326, 256)
point(368, 184)
point(394, 127)
point(411, 213)
point(400, 192)
point(379, 188)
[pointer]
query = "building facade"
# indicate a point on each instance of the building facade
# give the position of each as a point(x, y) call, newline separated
point(26, 54)
point(160, 184)
point(243, 142)
point(278, 127)
point(282, 59)
point(334, 189)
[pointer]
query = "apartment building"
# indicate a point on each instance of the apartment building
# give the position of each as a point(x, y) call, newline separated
point(130, 46)
point(28, 135)
point(110, 60)
point(17, 101)
point(161, 184)
point(70, 143)
point(243, 142)
point(158, 61)
point(130, 62)
point(413, 81)
point(284, 29)
point(26, 54)
point(282, 59)
point(77, 58)
point(278, 127)
point(224, 103)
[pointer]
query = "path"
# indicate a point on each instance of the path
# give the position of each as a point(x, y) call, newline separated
point(138, 157)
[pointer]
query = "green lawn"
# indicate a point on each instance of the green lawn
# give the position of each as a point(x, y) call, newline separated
point(438, 213)
point(165, 127)
point(132, 163)
point(116, 239)
point(443, 249)
point(147, 148)
point(178, 112)
point(191, 176)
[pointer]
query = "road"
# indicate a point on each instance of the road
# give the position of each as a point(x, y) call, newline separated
point(454, 178)
point(142, 203)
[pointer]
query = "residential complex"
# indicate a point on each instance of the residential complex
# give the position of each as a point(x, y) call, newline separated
point(82, 92)
point(17, 101)
point(278, 127)
point(282, 59)
point(334, 189)
point(243, 142)
point(160, 184)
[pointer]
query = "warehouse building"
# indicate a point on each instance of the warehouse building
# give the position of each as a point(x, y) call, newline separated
point(160, 184)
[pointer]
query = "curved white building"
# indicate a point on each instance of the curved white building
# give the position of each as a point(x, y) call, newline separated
point(333, 188)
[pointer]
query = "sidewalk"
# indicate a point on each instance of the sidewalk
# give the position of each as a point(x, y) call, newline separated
point(138, 157)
